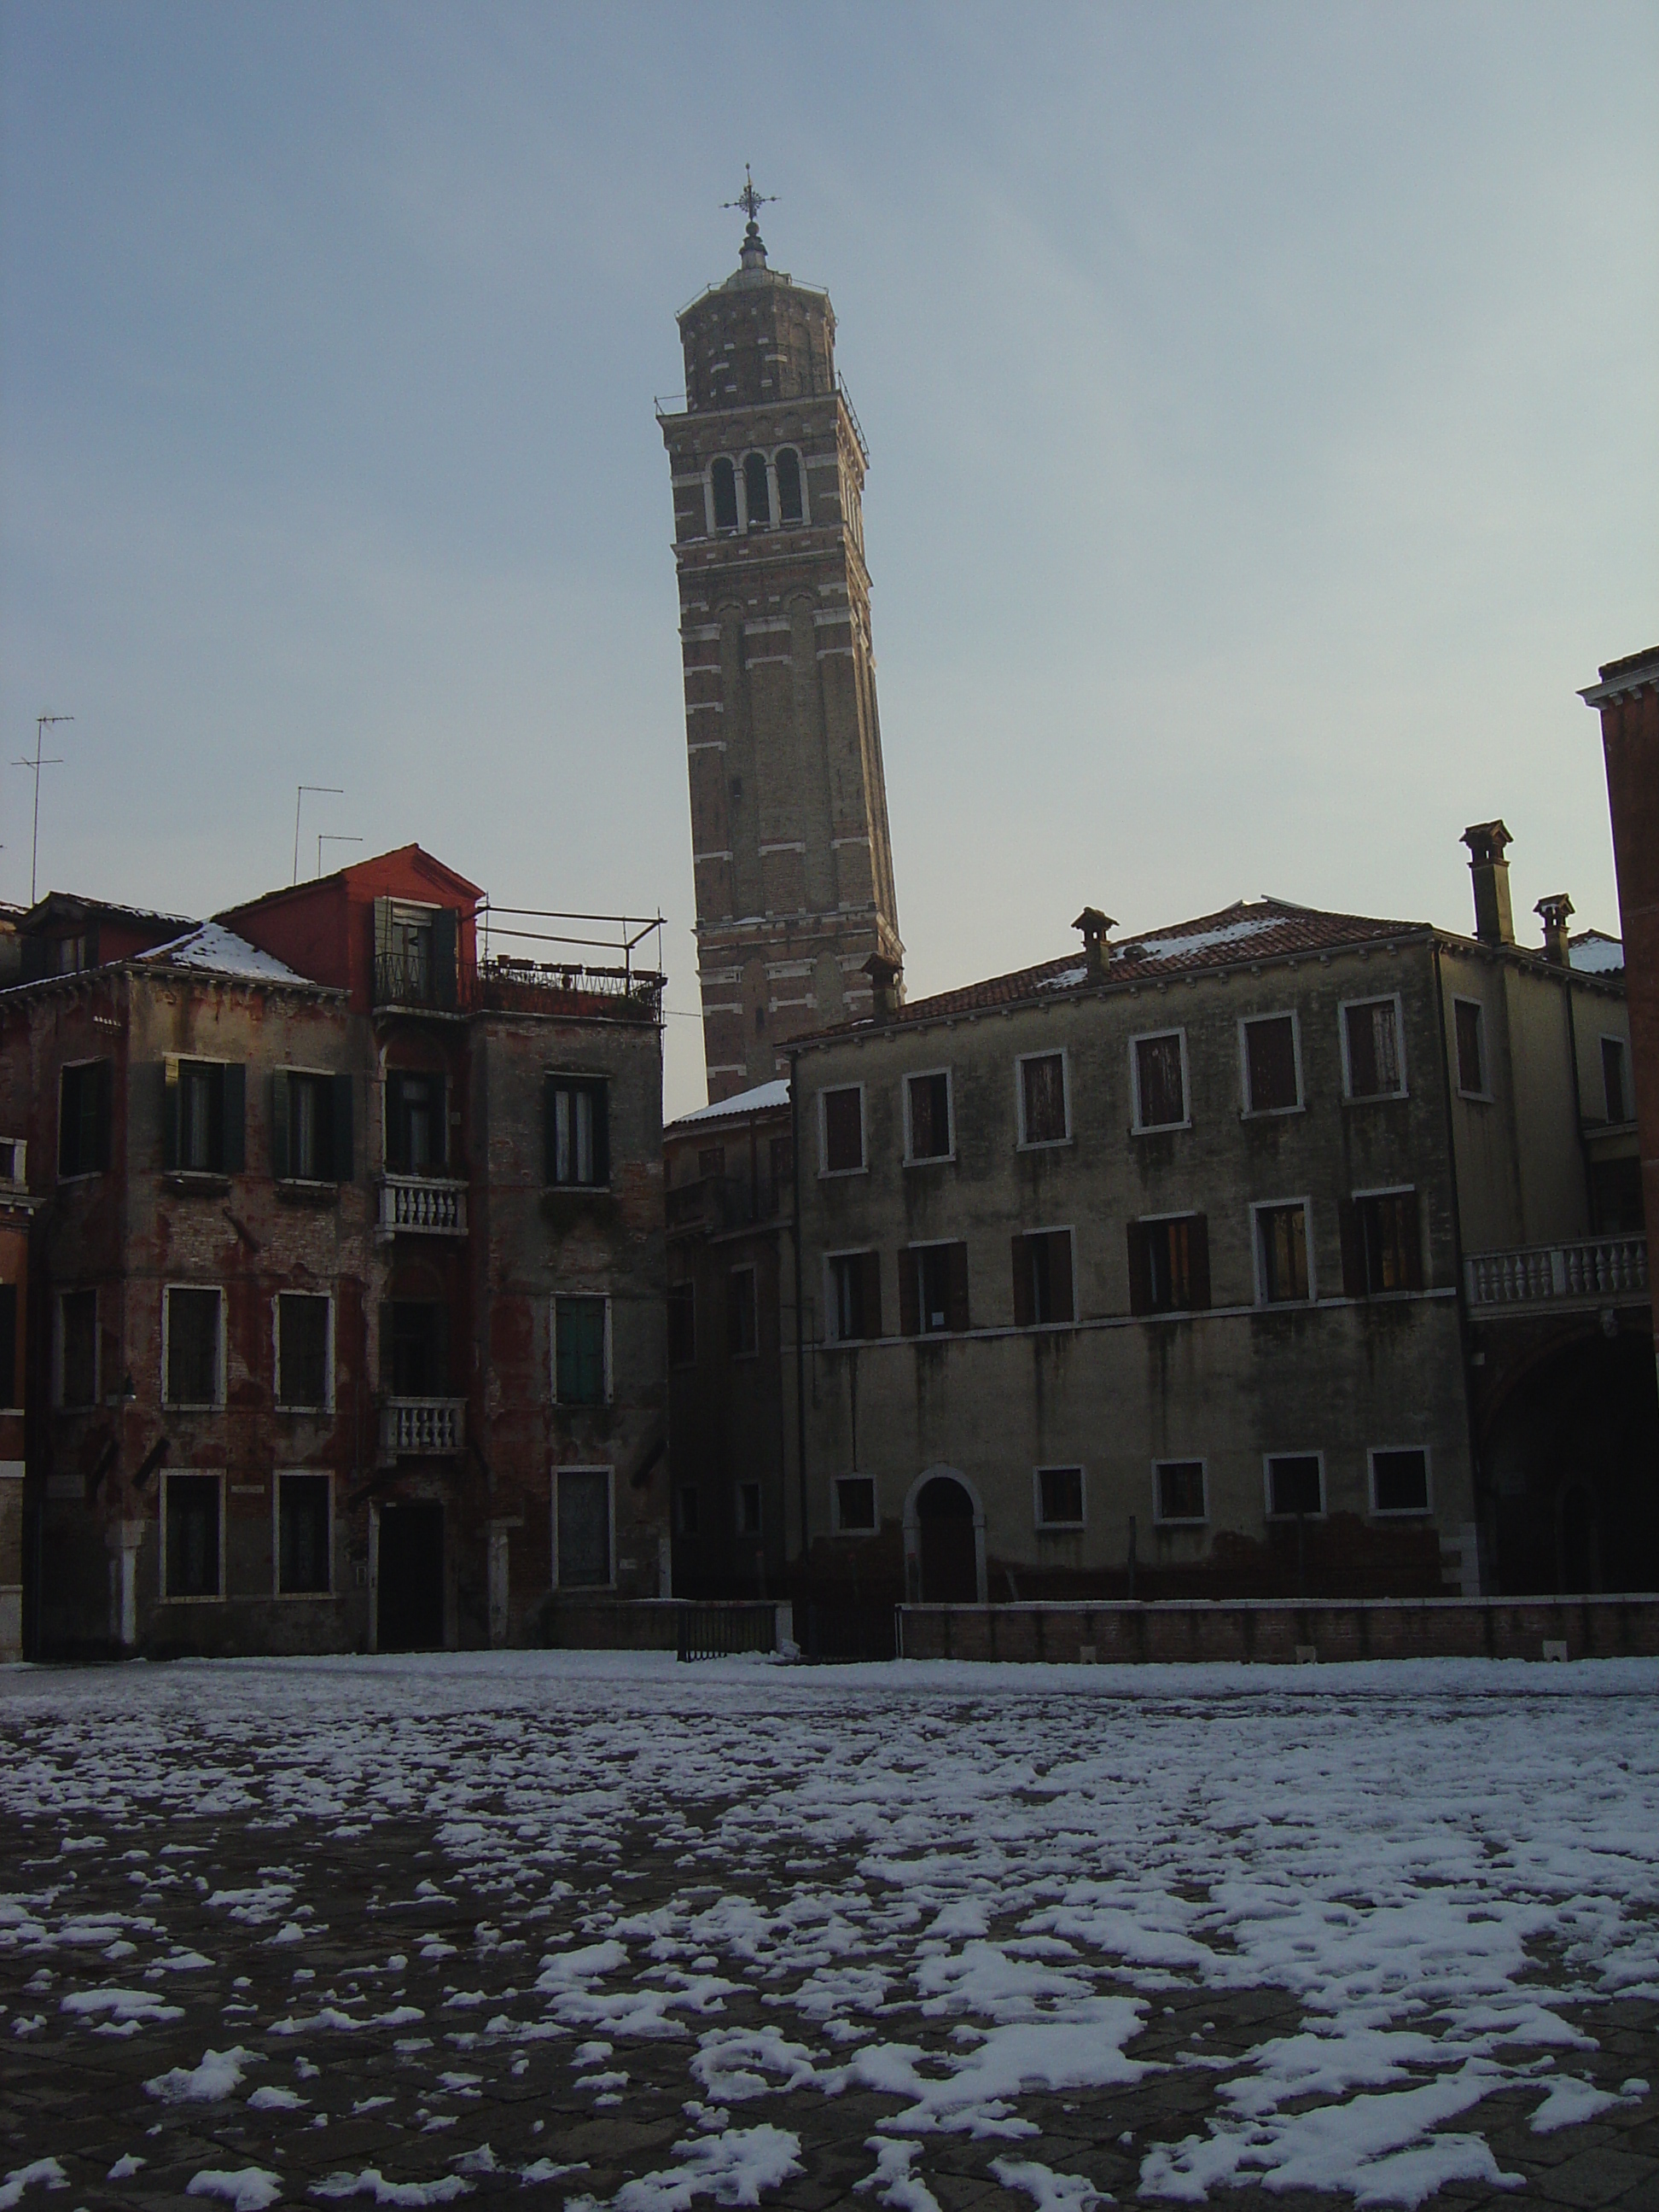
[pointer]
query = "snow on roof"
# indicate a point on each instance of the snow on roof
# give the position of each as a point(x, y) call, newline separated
point(757, 1101)
point(216, 950)
point(1595, 953)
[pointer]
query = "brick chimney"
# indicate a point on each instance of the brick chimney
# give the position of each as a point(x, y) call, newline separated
point(1097, 941)
point(885, 979)
point(1555, 909)
point(1494, 923)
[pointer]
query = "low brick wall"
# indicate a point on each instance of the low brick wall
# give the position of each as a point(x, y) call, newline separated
point(1279, 1632)
point(647, 1624)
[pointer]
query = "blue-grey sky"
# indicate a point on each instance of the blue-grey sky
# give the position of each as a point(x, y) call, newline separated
point(1261, 400)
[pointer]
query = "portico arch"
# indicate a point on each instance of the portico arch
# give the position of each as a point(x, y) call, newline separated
point(944, 1539)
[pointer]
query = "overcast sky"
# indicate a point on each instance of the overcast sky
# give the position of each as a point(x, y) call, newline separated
point(1260, 401)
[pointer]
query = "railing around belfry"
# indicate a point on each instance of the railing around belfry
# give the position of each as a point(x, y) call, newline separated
point(1590, 1271)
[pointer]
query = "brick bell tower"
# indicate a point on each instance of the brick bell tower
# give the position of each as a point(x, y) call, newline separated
point(794, 871)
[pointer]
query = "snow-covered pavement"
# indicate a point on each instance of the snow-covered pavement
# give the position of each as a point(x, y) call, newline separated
point(638, 1935)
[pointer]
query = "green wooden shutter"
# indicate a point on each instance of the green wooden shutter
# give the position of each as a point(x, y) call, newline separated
point(550, 1130)
point(342, 1165)
point(1412, 1234)
point(1060, 1277)
point(233, 1110)
point(170, 1112)
point(279, 1122)
point(384, 989)
point(602, 1132)
point(1354, 1284)
point(445, 935)
point(396, 1128)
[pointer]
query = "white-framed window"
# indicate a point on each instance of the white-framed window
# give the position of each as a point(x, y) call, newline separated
point(1045, 1277)
point(302, 1333)
point(854, 1499)
point(1372, 1033)
point(929, 1127)
point(1270, 1063)
point(580, 1348)
point(302, 1532)
point(1057, 1497)
point(13, 1160)
point(852, 1296)
point(746, 1509)
point(1470, 1025)
point(584, 1528)
point(742, 1313)
point(1387, 1255)
point(576, 1132)
point(75, 1352)
point(192, 1546)
point(840, 1130)
point(1400, 1480)
point(1294, 1484)
point(932, 1289)
point(193, 1346)
point(1283, 1252)
point(789, 473)
point(720, 495)
point(1042, 1097)
point(204, 1115)
point(1158, 1081)
point(1616, 1079)
point(1180, 1493)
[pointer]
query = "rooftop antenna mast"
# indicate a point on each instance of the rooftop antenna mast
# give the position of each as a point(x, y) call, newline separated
point(300, 791)
point(330, 839)
point(42, 724)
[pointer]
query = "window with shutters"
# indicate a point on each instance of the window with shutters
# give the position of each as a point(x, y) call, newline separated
point(1385, 1254)
point(853, 1296)
point(582, 1550)
point(311, 1119)
point(1169, 1264)
point(83, 1119)
point(415, 1348)
point(1296, 1484)
point(1158, 1067)
point(682, 1324)
point(304, 1332)
point(577, 1115)
point(1058, 1497)
point(756, 492)
point(192, 1535)
point(1272, 1054)
point(927, 1130)
point(791, 507)
point(1614, 1086)
point(1178, 1493)
point(305, 1535)
point(1283, 1276)
point(1373, 1059)
point(742, 1314)
point(416, 1122)
point(77, 1348)
point(723, 494)
point(1043, 1291)
point(1044, 1099)
point(932, 1290)
point(581, 1350)
point(192, 1347)
point(1400, 1480)
point(417, 955)
point(840, 1130)
point(1469, 1017)
point(856, 1505)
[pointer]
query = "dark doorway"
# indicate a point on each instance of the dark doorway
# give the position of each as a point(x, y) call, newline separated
point(950, 1567)
point(1569, 1459)
point(411, 1578)
point(1577, 1548)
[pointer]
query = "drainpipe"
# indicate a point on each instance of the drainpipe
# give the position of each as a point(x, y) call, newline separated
point(800, 1344)
point(1465, 1327)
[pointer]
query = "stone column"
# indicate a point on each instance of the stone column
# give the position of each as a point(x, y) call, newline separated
point(124, 1539)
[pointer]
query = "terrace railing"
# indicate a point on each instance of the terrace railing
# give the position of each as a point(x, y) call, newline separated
point(1594, 1271)
point(422, 1426)
point(423, 1208)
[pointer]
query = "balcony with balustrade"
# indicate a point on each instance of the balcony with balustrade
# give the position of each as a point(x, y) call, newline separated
point(1588, 1273)
point(423, 1205)
point(422, 1427)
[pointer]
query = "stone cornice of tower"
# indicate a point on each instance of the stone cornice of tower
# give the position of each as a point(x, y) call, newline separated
point(696, 554)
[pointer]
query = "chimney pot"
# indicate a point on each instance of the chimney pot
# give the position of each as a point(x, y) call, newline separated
point(886, 979)
point(1097, 929)
point(1555, 909)
point(1494, 923)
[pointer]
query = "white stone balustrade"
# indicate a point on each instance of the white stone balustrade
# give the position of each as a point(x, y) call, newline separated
point(421, 1424)
point(1592, 1271)
point(426, 1207)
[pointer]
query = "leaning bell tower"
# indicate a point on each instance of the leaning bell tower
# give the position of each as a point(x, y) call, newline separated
point(794, 871)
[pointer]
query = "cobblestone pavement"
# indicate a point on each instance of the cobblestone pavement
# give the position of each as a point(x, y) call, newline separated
point(567, 1930)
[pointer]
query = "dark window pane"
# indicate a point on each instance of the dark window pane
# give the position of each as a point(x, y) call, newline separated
point(930, 1116)
point(192, 1347)
point(1293, 1483)
point(855, 1501)
point(1373, 1050)
point(1168, 1266)
point(789, 502)
point(749, 1509)
point(682, 1324)
point(302, 1349)
point(742, 1337)
point(1402, 1481)
point(79, 1326)
point(1283, 1234)
point(1388, 1230)
point(1471, 1059)
point(580, 1326)
point(843, 1129)
point(688, 1512)
point(584, 1535)
point(1060, 1493)
point(311, 1115)
point(1162, 1093)
point(756, 490)
point(1270, 1054)
point(578, 1132)
point(1180, 1490)
point(302, 1513)
point(83, 1119)
point(847, 1280)
point(1044, 1092)
point(192, 1535)
point(419, 1348)
point(1612, 1078)
point(725, 481)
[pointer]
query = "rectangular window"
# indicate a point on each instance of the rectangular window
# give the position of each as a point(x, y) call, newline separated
point(742, 1314)
point(932, 1289)
point(305, 1535)
point(303, 1379)
point(1042, 1279)
point(781, 1153)
point(711, 1163)
point(1387, 1251)
point(927, 1105)
point(83, 1100)
point(311, 1138)
point(77, 1348)
point(578, 1133)
point(10, 1393)
point(414, 1347)
point(582, 1528)
point(842, 1129)
point(1178, 1491)
point(682, 1325)
point(13, 1160)
point(1159, 1068)
point(1059, 1497)
point(1296, 1484)
point(417, 955)
point(854, 1294)
point(1371, 1042)
point(1281, 1244)
point(1169, 1264)
point(685, 1508)
point(192, 1324)
point(1471, 1020)
point(192, 1530)
point(1272, 1079)
point(747, 1504)
point(416, 1122)
point(581, 1337)
point(1613, 1079)
point(1042, 1114)
point(855, 1505)
point(1400, 1481)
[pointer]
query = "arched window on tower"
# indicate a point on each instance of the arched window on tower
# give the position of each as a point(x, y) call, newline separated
point(723, 478)
point(756, 490)
point(789, 501)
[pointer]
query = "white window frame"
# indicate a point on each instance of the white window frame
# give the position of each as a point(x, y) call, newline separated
point(1141, 1126)
point(1400, 1512)
point(910, 1252)
point(1052, 1228)
point(568, 1405)
point(826, 1173)
point(912, 1158)
point(191, 1405)
point(1288, 1519)
point(847, 1252)
point(81, 1174)
point(584, 1466)
point(170, 1474)
point(1250, 1111)
point(748, 1482)
point(1060, 1466)
point(77, 1289)
point(1607, 1037)
point(19, 1148)
point(1371, 1097)
point(279, 1404)
point(327, 1075)
point(750, 1268)
point(1163, 1520)
point(1485, 1095)
point(838, 1524)
point(1271, 1205)
point(789, 446)
point(278, 1476)
point(1042, 1143)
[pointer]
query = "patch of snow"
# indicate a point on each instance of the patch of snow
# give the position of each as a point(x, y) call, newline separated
point(218, 2075)
point(1051, 2191)
point(1196, 940)
point(125, 2166)
point(46, 2171)
point(373, 2183)
point(732, 2168)
point(272, 2099)
point(759, 1100)
point(245, 2189)
point(217, 950)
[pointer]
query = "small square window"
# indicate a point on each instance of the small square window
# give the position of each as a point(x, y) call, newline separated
point(78, 1348)
point(193, 1324)
point(1371, 1035)
point(1272, 1084)
point(192, 1536)
point(1160, 1081)
point(855, 1505)
point(1400, 1481)
point(682, 1325)
point(1295, 1484)
point(1060, 1497)
point(928, 1102)
point(579, 1361)
point(1043, 1116)
point(742, 1314)
point(1471, 1021)
point(748, 1503)
point(1281, 1234)
point(305, 1535)
point(1179, 1488)
point(843, 1129)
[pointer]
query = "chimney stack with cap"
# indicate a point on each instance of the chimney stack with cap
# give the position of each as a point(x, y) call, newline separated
point(885, 979)
point(1494, 923)
point(1555, 909)
point(1097, 941)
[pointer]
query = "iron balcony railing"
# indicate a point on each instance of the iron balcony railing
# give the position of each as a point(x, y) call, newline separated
point(1590, 1271)
point(422, 1426)
point(423, 1208)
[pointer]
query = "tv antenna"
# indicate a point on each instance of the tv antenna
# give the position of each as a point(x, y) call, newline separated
point(332, 839)
point(300, 791)
point(42, 724)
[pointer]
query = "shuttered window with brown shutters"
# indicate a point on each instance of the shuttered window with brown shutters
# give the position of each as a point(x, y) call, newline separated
point(1160, 1082)
point(932, 1290)
point(1169, 1265)
point(1382, 1244)
point(855, 1288)
point(1042, 1279)
point(1042, 1099)
point(1270, 1071)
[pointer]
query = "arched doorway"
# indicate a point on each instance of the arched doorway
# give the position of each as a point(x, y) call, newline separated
point(944, 1540)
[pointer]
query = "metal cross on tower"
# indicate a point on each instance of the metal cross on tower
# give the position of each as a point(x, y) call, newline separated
point(749, 199)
